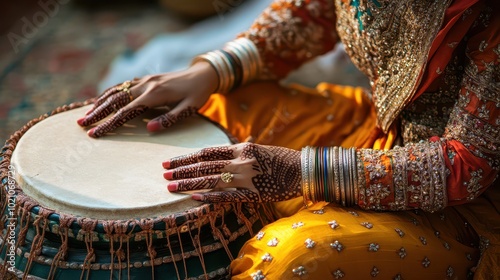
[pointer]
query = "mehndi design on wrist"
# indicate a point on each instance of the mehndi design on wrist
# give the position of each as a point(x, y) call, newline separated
point(278, 172)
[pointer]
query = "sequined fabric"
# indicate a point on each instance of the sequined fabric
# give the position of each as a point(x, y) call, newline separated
point(290, 32)
point(434, 69)
point(413, 245)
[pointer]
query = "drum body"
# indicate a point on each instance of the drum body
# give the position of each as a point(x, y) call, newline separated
point(83, 208)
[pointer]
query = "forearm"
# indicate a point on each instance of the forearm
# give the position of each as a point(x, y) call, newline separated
point(287, 34)
point(428, 175)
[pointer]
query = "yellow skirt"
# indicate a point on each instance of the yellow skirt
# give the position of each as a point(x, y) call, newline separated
point(334, 242)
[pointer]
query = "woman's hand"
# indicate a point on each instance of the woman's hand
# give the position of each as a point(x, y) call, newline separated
point(187, 90)
point(259, 173)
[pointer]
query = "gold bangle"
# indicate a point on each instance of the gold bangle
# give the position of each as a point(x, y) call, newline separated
point(303, 163)
point(312, 182)
point(254, 52)
point(225, 74)
point(342, 167)
point(228, 68)
point(249, 56)
point(356, 182)
point(222, 66)
point(347, 170)
point(244, 58)
point(350, 190)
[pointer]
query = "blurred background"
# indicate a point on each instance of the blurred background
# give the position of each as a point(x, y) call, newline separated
point(55, 52)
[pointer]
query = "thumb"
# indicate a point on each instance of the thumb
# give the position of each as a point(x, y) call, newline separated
point(180, 112)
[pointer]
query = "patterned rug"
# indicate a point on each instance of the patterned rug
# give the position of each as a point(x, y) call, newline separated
point(56, 56)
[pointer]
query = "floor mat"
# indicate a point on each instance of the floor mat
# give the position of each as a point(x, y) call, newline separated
point(54, 58)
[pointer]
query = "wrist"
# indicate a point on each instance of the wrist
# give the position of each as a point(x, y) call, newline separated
point(205, 75)
point(236, 64)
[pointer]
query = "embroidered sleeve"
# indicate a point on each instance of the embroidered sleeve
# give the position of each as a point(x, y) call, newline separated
point(457, 166)
point(473, 131)
point(290, 32)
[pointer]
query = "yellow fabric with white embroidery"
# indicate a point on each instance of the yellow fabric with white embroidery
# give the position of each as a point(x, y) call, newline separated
point(413, 245)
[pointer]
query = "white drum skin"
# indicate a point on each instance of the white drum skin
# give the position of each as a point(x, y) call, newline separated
point(115, 177)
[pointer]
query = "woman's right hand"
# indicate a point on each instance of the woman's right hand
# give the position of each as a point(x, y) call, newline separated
point(184, 91)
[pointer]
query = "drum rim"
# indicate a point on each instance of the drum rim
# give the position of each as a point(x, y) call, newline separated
point(134, 225)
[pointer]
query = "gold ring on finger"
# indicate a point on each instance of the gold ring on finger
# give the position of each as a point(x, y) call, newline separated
point(226, 177)
point(125, 87)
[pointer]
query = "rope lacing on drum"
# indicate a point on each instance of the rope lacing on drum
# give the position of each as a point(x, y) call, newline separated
point(27, 204)
point(171, 224)
point(243, 218)
point(118, 230)
point(65, 222)
point(197, 242)
point(108, 228)
point(40, 224)
point(121, 232)
point(217, 233)
point(147, 226)
point(88, 226)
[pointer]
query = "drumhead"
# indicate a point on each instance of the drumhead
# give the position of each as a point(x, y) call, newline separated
point(118, 176)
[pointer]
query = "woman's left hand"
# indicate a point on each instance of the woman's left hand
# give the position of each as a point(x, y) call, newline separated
point(255, 173)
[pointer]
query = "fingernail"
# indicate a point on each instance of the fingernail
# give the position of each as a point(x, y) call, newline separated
point(153, 126)
point(80, 121)
point(169, 175)
point(197, 196)
point(166, 164)
point(172, 187)
point(91, 133)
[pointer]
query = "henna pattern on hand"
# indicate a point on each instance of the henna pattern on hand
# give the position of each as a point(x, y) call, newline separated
point(278, 171)
point(121, 117)
point(199, 169)
point(103, 97)
point(109, 92)
point(241, 195)
point(207, 154)
point(111, 104)
point(200, 183)
point(169, 119)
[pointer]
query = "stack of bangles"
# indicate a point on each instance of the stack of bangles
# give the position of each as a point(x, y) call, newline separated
point(329, 174)
point(236, 64)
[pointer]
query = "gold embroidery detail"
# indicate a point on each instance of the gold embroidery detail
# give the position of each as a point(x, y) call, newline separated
point(473, 186)
point(425, 188)
point(477, 130)
point(392, 48)
point(281, 33)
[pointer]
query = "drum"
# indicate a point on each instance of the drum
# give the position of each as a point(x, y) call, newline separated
point(82, 208)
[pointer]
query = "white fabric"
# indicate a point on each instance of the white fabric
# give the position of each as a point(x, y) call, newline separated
point(171, 52)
